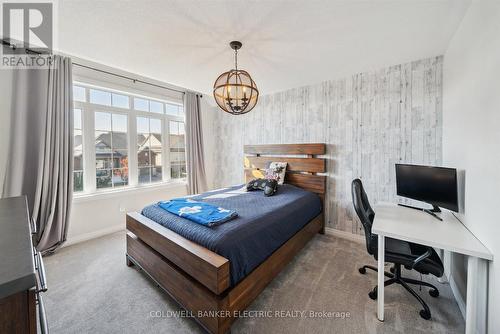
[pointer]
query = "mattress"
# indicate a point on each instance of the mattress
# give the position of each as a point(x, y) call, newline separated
point(262, 226)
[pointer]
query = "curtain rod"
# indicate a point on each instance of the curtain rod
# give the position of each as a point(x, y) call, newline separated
point(4, 42)
point(129, 78)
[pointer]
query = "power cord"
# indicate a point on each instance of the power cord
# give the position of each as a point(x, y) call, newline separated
point(457, 217)
point(462, 223)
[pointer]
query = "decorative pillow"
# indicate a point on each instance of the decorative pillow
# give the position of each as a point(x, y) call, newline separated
point(276, 171)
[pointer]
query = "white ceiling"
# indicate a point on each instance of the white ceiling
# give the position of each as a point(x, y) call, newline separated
point(285, 43)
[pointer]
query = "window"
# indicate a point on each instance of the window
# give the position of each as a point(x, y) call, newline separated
point(120, 101)
point(111, 150)
point(79, 93)
point(174, 109)
point(100, 97)
point(149, 149)
point(148, 105)
point(129, 133)
point(77, 150)
point(156, 107)
point(141, 104)
point(177, 150)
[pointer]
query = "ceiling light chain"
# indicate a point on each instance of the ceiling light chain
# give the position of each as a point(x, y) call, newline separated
point(236, 59)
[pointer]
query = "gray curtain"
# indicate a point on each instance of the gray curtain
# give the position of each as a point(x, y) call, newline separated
point(195, 160)
point(40, 163)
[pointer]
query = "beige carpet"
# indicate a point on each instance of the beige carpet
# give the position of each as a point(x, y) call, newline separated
point(91, 290)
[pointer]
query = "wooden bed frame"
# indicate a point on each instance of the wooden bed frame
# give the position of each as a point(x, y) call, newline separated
point(197, 278)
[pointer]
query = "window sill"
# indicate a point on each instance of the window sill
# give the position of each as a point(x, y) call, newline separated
point(103, 194)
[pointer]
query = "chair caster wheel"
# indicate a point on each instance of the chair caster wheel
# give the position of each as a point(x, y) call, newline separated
point(373, 294)
point(434, 293)
point(425, 314)
point(362, 270)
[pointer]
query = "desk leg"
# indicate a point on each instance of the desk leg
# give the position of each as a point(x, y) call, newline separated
point(471, 306)
point(475, 314)
point(380, 286)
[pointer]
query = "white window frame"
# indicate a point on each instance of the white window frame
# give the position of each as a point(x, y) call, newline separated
point(88, 131)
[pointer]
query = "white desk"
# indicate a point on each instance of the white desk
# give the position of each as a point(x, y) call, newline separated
point(419, 227)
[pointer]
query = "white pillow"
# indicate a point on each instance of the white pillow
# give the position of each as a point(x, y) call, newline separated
point(276, 171)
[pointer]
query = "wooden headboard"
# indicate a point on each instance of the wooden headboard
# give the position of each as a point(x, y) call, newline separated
point(301, 171)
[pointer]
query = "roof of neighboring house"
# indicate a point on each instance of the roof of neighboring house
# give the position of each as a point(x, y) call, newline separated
point(151, 141)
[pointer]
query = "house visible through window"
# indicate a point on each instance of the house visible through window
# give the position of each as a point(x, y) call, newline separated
point(77, 150)
point(124, 125)
point(149, 149)
point(177, 150)
point(111, 150)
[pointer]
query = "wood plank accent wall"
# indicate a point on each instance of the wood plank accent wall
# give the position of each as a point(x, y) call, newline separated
point(370, 121)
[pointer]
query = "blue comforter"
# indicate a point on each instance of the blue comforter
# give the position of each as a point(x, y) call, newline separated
point(262, 226)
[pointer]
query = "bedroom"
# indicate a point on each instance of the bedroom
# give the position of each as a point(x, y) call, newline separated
point(117, 115)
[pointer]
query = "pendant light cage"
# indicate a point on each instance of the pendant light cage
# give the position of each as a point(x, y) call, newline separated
point(235, 91)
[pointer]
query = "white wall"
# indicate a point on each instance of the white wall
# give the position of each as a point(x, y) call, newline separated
point(471, 130)
point(101, 214)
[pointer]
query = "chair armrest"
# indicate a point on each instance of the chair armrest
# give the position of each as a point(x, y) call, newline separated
point(422, 257)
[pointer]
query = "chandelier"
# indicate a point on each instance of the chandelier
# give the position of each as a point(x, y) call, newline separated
point(235, 91)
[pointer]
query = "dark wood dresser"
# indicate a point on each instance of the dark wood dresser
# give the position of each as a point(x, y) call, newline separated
point(22, 275)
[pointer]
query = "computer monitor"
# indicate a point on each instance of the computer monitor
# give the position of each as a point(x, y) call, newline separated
point(433, 185)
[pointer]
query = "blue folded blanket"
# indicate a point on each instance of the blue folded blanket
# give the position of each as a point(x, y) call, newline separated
point(199, 212)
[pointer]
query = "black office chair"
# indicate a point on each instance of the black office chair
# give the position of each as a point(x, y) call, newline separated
point(401, 253)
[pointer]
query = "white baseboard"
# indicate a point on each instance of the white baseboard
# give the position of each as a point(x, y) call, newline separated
point(457, 295)
point(92, 235)
point(345, 235)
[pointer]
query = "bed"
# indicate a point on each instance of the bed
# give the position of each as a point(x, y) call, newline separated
point(216, 272)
